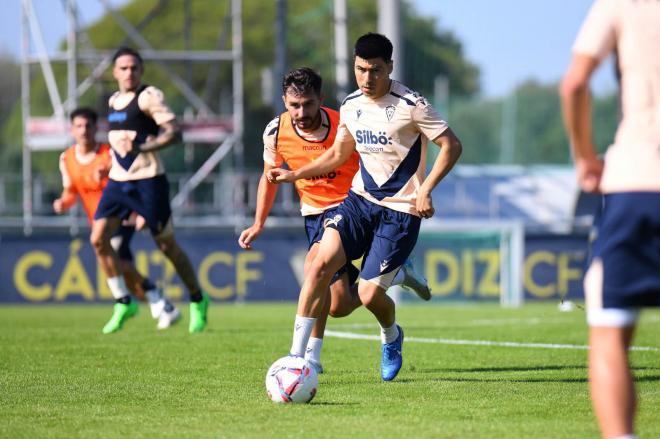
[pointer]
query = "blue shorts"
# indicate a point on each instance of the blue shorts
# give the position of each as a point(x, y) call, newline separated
point(625, 268)
point(385, 237)
point(149, 197)
point(121, 241)
point(314, 227)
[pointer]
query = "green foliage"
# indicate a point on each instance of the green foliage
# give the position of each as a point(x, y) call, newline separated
point(310, 43)
point(62, 378)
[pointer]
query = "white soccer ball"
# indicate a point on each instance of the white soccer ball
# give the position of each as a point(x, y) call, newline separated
point(291, 379)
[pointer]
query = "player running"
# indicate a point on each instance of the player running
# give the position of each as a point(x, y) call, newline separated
point(84, 167)
point(624, 273)
point(140, 124)
point(388, 125)
point(299, 136)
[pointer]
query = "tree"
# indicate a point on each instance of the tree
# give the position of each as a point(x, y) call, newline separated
point(310, 39)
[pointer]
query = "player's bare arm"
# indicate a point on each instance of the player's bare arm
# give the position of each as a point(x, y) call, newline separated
point(576, 105)
point(170, 132)
point(329, 160)
point(266, 193)
point(450, 151)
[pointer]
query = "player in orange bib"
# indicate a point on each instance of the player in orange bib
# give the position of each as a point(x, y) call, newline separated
point(84, 167)
point(298, 136)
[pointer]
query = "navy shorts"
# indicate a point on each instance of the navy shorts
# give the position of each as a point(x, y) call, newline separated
point(385, 237)
point(121, 241)
point(314, 227)
point(625, 268)
point(149, 197)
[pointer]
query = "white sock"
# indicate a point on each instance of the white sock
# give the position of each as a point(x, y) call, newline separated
point(153, 296)
point(118, 287)
point(313, 351)
point(627, 436)
point(388, 335)
point(302, 328)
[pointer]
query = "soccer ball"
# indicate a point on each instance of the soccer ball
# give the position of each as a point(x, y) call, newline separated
point(291, 379)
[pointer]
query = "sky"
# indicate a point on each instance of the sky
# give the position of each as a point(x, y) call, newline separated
point(510, 40)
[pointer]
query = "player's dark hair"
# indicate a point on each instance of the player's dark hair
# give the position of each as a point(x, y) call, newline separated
point(373, 45)
point(85, 112)
point(124, 50)
point(302, 81)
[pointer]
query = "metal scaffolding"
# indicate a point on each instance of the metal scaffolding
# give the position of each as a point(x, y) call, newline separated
point(51, 133)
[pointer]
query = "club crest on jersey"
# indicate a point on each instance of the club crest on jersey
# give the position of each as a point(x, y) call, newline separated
point(358, 113)
point(334, 220)
point(389, 112)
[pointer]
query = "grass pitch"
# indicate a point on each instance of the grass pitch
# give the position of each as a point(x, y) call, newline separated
point(470, 371)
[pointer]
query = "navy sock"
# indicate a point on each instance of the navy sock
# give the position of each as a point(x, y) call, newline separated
point(125, 300)
point(196, 297)
point(147, 284)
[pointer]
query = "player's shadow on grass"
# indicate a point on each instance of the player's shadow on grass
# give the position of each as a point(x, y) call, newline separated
point(528, 369)
point(505, 369)
point(330, 403)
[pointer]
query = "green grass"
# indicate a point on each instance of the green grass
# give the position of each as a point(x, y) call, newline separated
point(60, 377)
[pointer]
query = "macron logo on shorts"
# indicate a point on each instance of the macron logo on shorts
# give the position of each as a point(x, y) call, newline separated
point(384, 264)
point(334, 220)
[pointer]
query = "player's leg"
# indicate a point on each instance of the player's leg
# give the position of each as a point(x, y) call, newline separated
point(312, 300)
point(340, 301)
point(199, 301)
point(153, 205)
point(142, 287)
point(610, 380)
point(125, 307)
point(315, 342)
point(394, 237)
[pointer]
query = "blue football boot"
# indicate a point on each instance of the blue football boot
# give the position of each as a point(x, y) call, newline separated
point(392, 359)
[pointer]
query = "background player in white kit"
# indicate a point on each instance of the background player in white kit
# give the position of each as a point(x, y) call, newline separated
point(624, 274)
point(389, 126)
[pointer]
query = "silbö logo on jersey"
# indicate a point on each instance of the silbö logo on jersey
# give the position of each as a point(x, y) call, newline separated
point(372, 142)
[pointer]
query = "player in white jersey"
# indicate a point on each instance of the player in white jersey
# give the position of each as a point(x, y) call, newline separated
point(388, 125)
point(624, 273)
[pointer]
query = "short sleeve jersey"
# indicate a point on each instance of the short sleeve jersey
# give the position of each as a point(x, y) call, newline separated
point(632, 29)
point(132, 117)
point(283, 142)
point(80, 175)
point(391, 135)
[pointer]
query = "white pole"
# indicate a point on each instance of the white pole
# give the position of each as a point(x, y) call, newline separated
point(389, 24)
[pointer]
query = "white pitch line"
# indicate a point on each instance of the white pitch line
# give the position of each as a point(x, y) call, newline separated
point(508, 344)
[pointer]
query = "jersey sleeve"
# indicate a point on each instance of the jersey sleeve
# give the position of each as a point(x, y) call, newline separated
point(597, 36)
point(271, 156)
point(152, 102)
point(427, 118)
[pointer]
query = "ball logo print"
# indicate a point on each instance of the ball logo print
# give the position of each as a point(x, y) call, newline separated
point(291, 380)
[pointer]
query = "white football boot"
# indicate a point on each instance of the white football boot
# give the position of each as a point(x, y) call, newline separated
point(415, 281)
point(167, 319)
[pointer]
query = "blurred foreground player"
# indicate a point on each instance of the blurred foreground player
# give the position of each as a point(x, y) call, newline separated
point(624, 273)
point(84, 167)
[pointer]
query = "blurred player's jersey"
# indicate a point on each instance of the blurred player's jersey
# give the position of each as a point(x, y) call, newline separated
point(132, 117)
point(390, 134)
point(283, 142)
point(86, 175)
point(631, 28)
